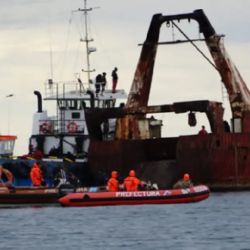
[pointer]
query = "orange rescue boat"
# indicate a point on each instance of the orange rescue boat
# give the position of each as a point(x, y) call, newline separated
point(173, 196)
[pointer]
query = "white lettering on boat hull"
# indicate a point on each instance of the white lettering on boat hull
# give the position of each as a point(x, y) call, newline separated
point(138, 194)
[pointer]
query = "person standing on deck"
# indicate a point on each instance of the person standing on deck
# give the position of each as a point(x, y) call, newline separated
point(131, 183)
point(98, 82)
point(114, 79)
point(203, 130)
point(36, 175)
point(104, 82)
point(113, 184)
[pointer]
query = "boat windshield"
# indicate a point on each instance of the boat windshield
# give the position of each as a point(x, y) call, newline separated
point(6, 147)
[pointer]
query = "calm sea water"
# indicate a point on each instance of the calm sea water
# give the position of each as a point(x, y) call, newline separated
point(220, 222)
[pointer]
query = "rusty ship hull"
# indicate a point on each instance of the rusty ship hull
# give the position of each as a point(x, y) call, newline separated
point(219, 159)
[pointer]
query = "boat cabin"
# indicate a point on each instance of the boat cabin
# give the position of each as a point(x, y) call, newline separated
point(66, 132)
point(7, 143)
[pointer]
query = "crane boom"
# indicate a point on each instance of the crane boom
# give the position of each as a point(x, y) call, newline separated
point(238, 92)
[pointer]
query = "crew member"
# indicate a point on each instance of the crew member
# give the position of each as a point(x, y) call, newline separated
point(104, 82)
point(8, 175)
point(98, 82)
point(203, 130)
point(185, 182)
point(131, 183)
point(114, 79)
point(36, 175)
point(113, 184)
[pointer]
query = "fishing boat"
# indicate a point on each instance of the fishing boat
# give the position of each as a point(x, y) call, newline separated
point(150, 197)
point(66, 134)
point(63, 138)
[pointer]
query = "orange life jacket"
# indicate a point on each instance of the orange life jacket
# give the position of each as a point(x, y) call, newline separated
point(131, 183)
point(113, 185)
point(36, 175)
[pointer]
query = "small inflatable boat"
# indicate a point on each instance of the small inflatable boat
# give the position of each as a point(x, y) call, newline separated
point(84, 199)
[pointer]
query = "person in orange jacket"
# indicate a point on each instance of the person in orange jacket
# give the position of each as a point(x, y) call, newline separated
point(8, 175)
point(36, 175)
point(131, 183)
point(113, 184)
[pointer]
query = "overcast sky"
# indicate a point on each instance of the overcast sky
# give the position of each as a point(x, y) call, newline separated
point(30, 29)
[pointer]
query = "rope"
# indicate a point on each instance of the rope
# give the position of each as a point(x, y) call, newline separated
point(66, 46)
point(196, 47)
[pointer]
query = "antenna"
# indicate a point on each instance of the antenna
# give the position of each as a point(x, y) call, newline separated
point(9, 111)
point(87, 40)
point(51, 61)
point(50, 48)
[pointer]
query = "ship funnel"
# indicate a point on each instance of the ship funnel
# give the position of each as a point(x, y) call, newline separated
point(39, 101)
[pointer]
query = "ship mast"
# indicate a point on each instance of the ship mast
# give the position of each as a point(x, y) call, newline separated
point(87, 40)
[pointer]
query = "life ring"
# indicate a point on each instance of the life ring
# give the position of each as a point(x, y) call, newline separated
point(45, 127)
point(72, 127)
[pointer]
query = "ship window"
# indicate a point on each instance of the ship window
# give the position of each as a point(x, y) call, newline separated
point(75, 115)
point(82, 105)
point(96, 103)
point(102, 104)
point(108, 104)
point(72, 104)
point(87, 104)
point(112, 103)
point(6, 147)
point(61, 104)
point(99, 104)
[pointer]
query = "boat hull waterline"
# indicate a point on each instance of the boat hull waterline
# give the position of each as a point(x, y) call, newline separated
point(30, 196)
point(175, 196)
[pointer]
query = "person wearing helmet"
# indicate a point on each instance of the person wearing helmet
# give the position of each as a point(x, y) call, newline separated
point(113, 184)
point(185, 182)
point(131, 183)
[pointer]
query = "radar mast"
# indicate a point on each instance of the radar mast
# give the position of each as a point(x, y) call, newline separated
point(87, 41)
